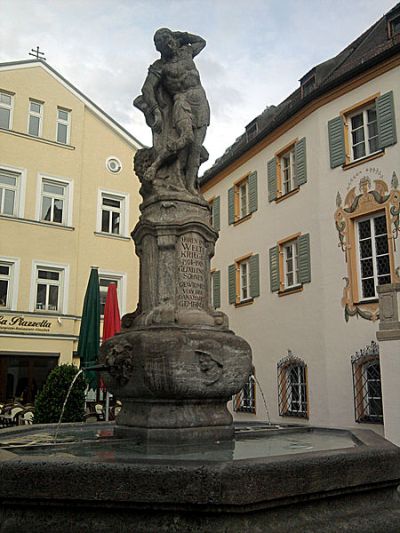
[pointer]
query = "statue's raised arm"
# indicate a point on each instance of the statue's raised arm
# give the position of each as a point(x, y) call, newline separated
point(175, 107)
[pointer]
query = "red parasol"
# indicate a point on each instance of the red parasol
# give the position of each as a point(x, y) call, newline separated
point(111, 320)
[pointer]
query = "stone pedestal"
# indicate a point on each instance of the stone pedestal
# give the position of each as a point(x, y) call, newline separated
point(389, 355)
point(176, 363)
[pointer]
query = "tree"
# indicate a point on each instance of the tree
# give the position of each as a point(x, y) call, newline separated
point(49, 401)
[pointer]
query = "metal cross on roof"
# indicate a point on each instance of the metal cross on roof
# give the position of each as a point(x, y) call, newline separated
point(37, 53)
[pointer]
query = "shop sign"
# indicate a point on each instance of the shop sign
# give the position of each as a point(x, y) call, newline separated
point(15, 323)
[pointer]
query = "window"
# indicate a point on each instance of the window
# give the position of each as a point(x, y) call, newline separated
point(363, 130)
point(35, 118)
point(245, 400)
point(242, 198)
point(8, 278)
point(112, 209)
point(54, 201)
point(290, 263)
point(373, 254)
point(367, 384)
point(244, 282)
point(215, 221)
point(394, 26)
point(216, 289)
point(308, 86)
point(292, 387)
point(49, 285)
point(6, 106)
point(251, 130)
point(9, 188)
point(104, 281)
point(287, 171)
point(63, 126)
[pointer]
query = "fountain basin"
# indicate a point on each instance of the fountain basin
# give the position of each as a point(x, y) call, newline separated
point(329, 480)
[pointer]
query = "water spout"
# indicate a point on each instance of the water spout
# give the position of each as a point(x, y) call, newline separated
point(65, 402)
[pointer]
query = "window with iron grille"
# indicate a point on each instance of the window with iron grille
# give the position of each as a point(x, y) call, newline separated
point(292, 386)
point(245, 400)
point(367, 385)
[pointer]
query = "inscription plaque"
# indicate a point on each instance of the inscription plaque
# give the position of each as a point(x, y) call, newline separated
point(192, 290)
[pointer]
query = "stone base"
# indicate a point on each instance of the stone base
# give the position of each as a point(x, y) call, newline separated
point(175, 437)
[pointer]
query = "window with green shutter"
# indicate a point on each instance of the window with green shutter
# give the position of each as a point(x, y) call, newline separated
point(244, 280)
point(243, 198)
point(290, 264)
point(362, 131)
point(287, 171)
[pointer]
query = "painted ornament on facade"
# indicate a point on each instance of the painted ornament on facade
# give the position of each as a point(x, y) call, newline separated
point(367, 222)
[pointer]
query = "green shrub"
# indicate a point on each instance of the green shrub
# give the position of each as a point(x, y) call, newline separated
point(49, 401)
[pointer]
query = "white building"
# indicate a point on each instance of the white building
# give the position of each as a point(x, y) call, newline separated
point(307, 204)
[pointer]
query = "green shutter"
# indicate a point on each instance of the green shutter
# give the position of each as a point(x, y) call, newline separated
point(274, 268)
point(254, 264)
point(216, 276)
point(231, 205)
point(232, 283)
point(304, 258)
point(386, 120)
point(300, 162)
point(216, 213)
point(337, 148)
point(272, 182)
point(253, 204)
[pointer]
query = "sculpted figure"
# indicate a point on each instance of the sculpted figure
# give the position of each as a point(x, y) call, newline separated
point(176, 108)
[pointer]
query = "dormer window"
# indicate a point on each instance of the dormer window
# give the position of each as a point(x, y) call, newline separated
point(394, 26)
point(251, 130)
point(307, 86)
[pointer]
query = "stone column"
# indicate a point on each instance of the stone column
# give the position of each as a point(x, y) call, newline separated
point(389, 355)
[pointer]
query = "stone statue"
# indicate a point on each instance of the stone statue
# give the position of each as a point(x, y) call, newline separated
point(176, 108)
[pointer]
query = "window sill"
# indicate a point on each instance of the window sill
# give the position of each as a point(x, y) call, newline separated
point(36, 222)
point(366, 302)
point(304, 416)
point(292, 290)
point(38, 139)
point(243, 303)
point(111, 236)
point(243, 219)
point(363, 160)
point(287, 195)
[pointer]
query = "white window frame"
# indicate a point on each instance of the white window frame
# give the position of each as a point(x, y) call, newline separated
point(10, 107)
point(65, 123)
point(58, 181)
point(124, 210)
point(364, 112)
point(288, 170)
point(374, 256)
point(244, 280)
point(300, 386)
point(64, 286)
point(13, 279)
point(39, 115)
point(243, 192)
point(121, 278)
point(294, 271)
point(20, 175)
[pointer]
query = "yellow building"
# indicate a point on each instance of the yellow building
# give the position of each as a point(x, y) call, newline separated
point(68, 201)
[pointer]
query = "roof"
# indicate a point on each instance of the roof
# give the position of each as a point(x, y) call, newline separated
point(369, 49)
point(28, 63)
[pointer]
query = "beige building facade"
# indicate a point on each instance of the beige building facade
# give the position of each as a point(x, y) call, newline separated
point(68, 201)
point(307, 205)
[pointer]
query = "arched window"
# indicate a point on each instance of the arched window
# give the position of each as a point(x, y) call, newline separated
point(245, 400)
point(292, 386)
point(367, 384)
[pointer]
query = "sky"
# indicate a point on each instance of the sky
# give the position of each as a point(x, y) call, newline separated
point(257, 50)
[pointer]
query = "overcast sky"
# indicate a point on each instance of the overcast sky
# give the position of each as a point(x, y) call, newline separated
point(256, 52)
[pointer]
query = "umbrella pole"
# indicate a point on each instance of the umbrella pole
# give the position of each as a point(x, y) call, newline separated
point(107, 413)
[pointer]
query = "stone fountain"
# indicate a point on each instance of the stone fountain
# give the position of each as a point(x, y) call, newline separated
point(172, 461)
point(176, 363)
